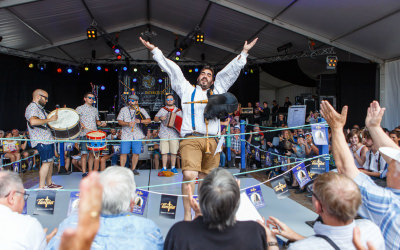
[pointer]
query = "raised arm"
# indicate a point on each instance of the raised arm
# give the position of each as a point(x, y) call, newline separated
point(373, 123)
point(228, 75)
point(341, 153)
point(172, 69)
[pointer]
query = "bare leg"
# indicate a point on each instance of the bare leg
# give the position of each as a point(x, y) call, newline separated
point(156, 161)
point(103, 162)
point(188, 176)
point(122, 160)
point(173, 160)
point(96, 163)
point(44, 169)
point(91, 161)
point(49, 174)
point(164, 160)
point(84, 160)
point(67, 162)
point(135, 159)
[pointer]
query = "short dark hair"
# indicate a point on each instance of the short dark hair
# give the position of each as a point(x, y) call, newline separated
point(169, 94)
point(209, 68)
point(88, 93)
point(219, 197)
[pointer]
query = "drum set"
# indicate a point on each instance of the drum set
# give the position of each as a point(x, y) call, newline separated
point(68, 127)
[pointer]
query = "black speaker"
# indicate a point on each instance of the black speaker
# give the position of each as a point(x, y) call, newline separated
point(327, 85)
point(310, 105)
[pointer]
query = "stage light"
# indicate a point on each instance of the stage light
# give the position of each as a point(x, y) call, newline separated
point(99, 68)
point(69, 70)
point(199, 37)
point(134, 79)
point(196, 70)
point(116, 70)
point(160, 80)
point(251, 71)
point(59, 70)
point(106, 69)
point(103, 87)
point(92, 33)
point(119, 57)
point(177, 58)
point(135, 69)
point(41, 66)
point(190, 70)
point(178, 53)
point(125, 68)
point(246, 72)
point(86, 68)
point(116, 51)
point(331, 62)
point(31, 65)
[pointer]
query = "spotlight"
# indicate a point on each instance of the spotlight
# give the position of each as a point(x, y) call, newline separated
point(196, 70)
point(246, 72)
point(331, 62)
point(86, 68)
point(135, 69)
point(199, 37)
point(69, 70)
point(41, 66)
point(92, 33)
point(160, 80)
point(251, 71)
point(31, 65)
point(116, 70)
point(125, 68)
point(106, 69)
point(134, 79)
point(177, 58)
point(178, 53)
point(103, 87)
point(190, 70)
point(99, 68)
point(119, 57)
point(59, 70)
point(116, 51)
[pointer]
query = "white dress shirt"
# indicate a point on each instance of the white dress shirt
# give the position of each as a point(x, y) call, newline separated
point(223, 81)
point(18, 231)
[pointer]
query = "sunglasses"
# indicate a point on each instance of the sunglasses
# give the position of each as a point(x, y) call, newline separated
point(170, 99)
point(45, 97)
point(93, 98)
point(132, 100)
point(26, 196)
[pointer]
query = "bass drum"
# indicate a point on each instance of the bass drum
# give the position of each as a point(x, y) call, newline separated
point(67, 125)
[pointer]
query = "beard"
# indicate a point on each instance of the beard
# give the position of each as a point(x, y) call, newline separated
point(42, 103)
point(203, 83)
point(170, 105)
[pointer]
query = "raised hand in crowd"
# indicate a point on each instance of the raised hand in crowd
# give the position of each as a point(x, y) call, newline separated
point(248, 46)
point(81, 238)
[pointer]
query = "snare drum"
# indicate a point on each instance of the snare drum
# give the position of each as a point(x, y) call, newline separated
point(67, 125)
point(97, 140)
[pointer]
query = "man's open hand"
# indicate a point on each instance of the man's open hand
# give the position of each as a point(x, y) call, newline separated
point(333, 118)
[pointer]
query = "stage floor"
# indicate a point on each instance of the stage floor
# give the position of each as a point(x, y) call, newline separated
point(287, 210)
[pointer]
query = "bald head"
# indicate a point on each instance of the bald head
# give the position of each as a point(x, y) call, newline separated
point(40, 96)
point(339, 195)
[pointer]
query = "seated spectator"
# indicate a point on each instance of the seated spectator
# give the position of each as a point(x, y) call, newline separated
point(281, 121)
point(118, 228)
point(359, 150)
point(255, 140)
point(27, 149)
point(265, 114)
point(113, 134)
point(395, 136)
point(18, 231)
point(381, 205)
point(76, 157)
point(215, 226)
point(374, 164)
point(2, 133)
point(11, 148)
point(236, 146)
point(336, 199)
point(15, 133)
point(300, 148)
point(311, 149)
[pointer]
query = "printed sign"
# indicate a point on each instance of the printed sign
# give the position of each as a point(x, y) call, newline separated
point(140, 201)
point(319, 134)
point(73, 202)
point(45, 201)
point(168, 206)
point(280, 187)
point(317, 166)
point(301, 174)
point(255, 196)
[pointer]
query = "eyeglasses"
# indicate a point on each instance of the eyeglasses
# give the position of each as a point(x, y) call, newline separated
point(45, 97)
point(93, 98)
point(132, 100)
point(313, 194)
point(26, 196)
point(170, 99)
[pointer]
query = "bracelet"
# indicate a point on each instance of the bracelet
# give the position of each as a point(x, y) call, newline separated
point(272, 243)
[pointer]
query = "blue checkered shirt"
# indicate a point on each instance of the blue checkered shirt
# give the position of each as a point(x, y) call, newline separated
point(382, 206)
point(235, 144)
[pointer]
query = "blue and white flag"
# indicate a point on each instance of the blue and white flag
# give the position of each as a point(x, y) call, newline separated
point(140, 201)
point(301, 174)
point(256, 196)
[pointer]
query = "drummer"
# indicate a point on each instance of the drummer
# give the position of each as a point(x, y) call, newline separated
point(130, 121)
point(170, 146)
point(41, 136)
point(89, 118)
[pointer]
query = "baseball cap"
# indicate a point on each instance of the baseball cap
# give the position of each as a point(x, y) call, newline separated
point(237, 127)
point(134, 97)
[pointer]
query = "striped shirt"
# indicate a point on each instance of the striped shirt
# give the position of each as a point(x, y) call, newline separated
point(382, 206)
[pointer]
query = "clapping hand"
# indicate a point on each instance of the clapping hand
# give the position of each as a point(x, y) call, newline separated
point(374, 115)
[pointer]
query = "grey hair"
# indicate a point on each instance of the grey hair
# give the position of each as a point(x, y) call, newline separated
point(119, 189)
point(9, 181)
point(219, 197)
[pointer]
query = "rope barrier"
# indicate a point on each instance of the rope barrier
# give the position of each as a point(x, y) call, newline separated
point(8, 164)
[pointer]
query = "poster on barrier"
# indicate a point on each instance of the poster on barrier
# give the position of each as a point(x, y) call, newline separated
point(73, 202)
point(140, 201)
point(268, 160)
point(168, 205)
point(256, 197)
point(317, 166)
point(257, 153)
point(280, 187)
point(301, 174)
point(196, 197)
point(45, 201)
point(319, 134)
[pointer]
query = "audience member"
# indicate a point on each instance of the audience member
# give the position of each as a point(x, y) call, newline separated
point(374, 164)
point(359, 150)
point(381, 205)
point(18, 231)
point(119, 229)
point(215, 226)
point(11, 148)
point(335, 199)
point(395, 136)
point(265, 114)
